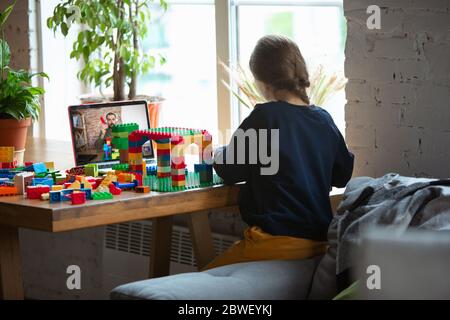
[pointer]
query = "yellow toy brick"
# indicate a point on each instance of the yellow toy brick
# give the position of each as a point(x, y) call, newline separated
point(6, 154)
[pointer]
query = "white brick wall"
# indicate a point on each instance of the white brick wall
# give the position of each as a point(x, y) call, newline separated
point(398, 110)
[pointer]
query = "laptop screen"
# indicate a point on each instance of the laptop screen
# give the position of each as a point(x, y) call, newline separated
point(92, 124)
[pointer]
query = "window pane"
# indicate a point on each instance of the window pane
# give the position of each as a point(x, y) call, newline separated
point(319, 32)
point(185, 36)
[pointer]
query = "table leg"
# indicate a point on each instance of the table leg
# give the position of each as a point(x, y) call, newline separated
point(202, 241)
point(11, 283)
point(161, 246)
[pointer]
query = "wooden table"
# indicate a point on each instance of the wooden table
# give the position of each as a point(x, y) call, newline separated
point(17, 212)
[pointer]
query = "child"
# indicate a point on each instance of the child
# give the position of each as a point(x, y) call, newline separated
point(288, 212)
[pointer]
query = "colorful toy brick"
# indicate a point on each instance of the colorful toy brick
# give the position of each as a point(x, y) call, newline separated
point(114, 190)
point(142, 189)
point(45, 196)
point(23, 180)
point(8, 165)
point(42, 181)
point(8, 191)
point(7, 154)
point(78, 197)
point(125, 186)
point(55, 196)
point(91, 169)
point(57, 187)
point(102, 196)
point(35, 192)
point(77, 171)
point(39, 168)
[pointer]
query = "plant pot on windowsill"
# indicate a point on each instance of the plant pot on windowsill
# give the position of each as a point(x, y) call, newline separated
point(154, 104)
point(13, 133)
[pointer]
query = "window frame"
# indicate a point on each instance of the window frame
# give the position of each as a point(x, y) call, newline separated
point(227, 50)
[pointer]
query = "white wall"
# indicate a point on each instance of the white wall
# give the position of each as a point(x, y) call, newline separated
point(398, 110)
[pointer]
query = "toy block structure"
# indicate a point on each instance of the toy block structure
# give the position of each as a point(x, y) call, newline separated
point(7, 154)
point(91, 169)
point(120, 134)
point(170, 144)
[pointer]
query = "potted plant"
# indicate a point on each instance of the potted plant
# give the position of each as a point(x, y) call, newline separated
point(109, 43)
point(19, 100)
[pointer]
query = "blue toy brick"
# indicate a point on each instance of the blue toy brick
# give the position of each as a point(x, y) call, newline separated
point(88, 193)
point(164, 157)
point(66, 192)
point(42, 181)
point(128, 185)
point(39, 167)
point(55, 196)
point(202, 167)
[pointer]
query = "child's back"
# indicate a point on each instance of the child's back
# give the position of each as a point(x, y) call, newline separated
point(288, 209)
point(312, 158)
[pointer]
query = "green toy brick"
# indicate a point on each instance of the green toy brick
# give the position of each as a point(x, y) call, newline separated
point(121, 167)
point(91, 169)
point(120, 143)
point(102, 196)
point(126, 127)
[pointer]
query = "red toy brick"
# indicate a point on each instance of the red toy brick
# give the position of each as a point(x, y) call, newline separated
point(35, 192)
point(114, 190)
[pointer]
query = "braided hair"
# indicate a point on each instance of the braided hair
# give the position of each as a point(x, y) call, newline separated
point(278, 62)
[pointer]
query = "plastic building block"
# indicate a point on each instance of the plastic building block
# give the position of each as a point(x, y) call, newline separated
point(91, 170)
point(88, 193)
point(121, 167)
point(142, 189)
point(102, 196)
point(8, 191)
point(128, 185)
point(45, 196)
point(55, 196)
point(39, 167)
point(114, 190)
point(65, 193)
point(57, 187)
point(77, 171)
point(8, 165)
point(35, 192)
point(23, 180)
point(126, 127)
point(6, 154)
point(42, 181)
point(78, 197)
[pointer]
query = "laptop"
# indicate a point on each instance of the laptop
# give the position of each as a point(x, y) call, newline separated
point(91, 128)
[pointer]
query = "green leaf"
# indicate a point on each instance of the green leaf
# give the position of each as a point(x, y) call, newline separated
point(50, 23)
point(64, 29)
point(5, 54)
point(5, 14)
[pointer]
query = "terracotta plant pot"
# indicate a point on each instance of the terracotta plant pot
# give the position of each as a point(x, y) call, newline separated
point(14, 133)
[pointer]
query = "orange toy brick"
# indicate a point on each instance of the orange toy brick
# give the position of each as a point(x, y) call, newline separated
point(8, 191)
point(142, 189)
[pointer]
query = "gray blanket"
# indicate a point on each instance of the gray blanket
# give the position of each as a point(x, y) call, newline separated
point(394, 201)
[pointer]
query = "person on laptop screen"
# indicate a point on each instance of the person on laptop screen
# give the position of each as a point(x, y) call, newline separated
point(105, 134)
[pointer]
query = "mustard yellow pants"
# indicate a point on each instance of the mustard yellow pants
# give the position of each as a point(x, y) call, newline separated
point(259, 245)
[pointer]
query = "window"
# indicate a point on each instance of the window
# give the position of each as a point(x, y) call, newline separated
point(318, 27)
point(187, 36)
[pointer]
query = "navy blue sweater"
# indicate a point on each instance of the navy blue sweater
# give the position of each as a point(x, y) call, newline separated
point(313, 157)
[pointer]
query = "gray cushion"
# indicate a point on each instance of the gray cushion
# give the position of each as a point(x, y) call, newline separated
point(275, 279)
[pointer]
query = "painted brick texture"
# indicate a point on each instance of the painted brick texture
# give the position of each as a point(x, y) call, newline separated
point(398, 110)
